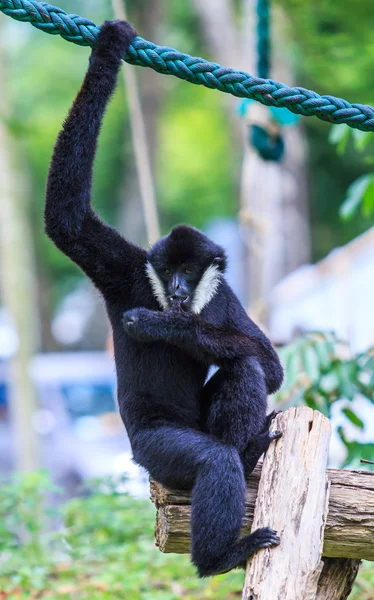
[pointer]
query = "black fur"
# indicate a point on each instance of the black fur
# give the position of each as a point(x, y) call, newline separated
point(186, 244)
point(185, 433)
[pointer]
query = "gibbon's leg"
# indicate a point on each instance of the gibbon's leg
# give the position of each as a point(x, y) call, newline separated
point(257, 447)
point(234, 403)
point(182, 457)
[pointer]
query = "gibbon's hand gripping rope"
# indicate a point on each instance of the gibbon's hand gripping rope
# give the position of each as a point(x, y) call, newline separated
point(168, 61)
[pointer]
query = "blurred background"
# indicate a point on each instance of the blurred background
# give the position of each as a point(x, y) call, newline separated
point(295, 215)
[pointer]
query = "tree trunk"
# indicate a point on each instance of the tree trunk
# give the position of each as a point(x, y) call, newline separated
point(18, 287)
point(274, 200)
point(292, 499)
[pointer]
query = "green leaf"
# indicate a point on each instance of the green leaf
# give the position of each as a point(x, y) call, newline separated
point(346, 376)
point(322, 352)
point(355, 195)
point(368, 198)
point(353, 418)
point(339, 135)
point(292, 369)
point(310, 362)
point(361, 138)
point(311, 401)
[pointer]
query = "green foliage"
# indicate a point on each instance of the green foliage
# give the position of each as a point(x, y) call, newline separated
point(364, 586)
point(361, 192)
point(320, 371)
point(336, 46)
point(101, 547)
point(194, 166)
point(331, 49)
point(194, 171)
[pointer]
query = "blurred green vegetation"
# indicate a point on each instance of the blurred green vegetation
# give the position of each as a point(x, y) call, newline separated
point(101, 547)
point(194, 170)
point(360, 194)
point(321, 372)
point(197, 169)
point(332, 49)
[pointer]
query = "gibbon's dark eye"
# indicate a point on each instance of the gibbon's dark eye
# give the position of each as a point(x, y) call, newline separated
point(167, 272)
point(187, 271)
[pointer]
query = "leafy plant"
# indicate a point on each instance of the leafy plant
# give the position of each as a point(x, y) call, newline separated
point(100, 547)
point(361, 192)
point(321, 371)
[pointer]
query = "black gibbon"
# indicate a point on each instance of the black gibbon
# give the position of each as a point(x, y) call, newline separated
point(173, 315)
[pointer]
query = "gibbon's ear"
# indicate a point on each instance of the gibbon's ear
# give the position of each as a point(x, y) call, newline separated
point(220, 262)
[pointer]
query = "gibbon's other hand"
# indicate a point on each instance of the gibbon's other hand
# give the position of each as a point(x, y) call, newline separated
point(137, 323)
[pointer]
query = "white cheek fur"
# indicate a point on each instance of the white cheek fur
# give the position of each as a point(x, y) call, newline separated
point(206, 288)
point(157, 287)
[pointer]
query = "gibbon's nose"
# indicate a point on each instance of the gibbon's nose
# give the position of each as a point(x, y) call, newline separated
point(177, 290)
point(179, 294)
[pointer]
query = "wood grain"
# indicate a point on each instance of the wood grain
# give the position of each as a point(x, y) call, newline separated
point(349, 531)
point(292, 498)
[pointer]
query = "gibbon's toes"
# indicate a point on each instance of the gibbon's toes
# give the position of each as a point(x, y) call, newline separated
point(265, 538)
point(116, 36)
point(271, 417)
point(275, 435)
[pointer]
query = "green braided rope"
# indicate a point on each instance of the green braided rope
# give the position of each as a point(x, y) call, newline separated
point(74, 28)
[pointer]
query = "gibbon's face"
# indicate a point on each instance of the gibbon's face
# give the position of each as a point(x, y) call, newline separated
point(185, 269)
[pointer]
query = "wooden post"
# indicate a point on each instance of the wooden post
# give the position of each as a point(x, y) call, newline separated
point(292, 507)
point(292, 499)
point(337, 578)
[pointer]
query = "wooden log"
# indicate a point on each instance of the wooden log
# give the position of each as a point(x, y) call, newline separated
point(349, 530)
point(337, 578)
point(292, 499)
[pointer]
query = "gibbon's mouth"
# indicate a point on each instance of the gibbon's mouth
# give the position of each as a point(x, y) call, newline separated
point(179, 304)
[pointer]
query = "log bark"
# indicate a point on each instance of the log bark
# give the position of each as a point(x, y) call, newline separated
point(349, 531)
point(337, 578)
point(292, 498)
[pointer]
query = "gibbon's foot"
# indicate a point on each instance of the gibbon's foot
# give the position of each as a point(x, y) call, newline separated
point(270, 418)
point(275, 435)
point(272, 435)
point(244, 548)
point(264, 538)
point(258, 446)
point(114, 38)
point(267, 538)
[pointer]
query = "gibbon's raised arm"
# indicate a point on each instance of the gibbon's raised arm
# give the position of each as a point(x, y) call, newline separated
point(69, 219)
